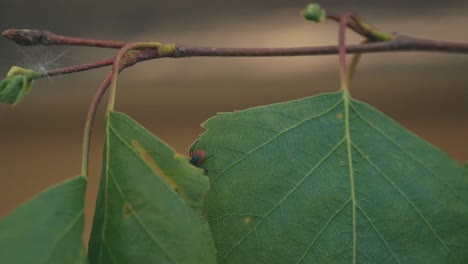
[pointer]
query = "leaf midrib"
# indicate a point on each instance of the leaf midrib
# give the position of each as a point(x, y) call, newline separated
point(106, 184)
point(347, 102)
point(142, 224)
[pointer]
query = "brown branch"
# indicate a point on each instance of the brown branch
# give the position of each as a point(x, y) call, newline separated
point(32, 37)
point(398, 44)
point(77, 68)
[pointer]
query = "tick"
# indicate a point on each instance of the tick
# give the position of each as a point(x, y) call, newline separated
point(197, 157)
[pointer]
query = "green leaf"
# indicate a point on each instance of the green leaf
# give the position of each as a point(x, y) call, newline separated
point(149, 207)
point(16, 85)
point(328, 179)
point(48, 228)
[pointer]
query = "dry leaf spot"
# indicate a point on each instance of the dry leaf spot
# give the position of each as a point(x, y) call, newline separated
point(145, 155)
point(247, 220)
point(126, 209)
point(203, 215)
point(339, 116)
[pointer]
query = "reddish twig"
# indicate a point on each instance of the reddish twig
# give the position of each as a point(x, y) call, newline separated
point(399, 44)
point(77, 68)
point(31, 37)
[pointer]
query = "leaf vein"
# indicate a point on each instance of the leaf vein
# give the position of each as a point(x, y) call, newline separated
point(378, 233)
point(425, 220)
point(284, 198)
point(137, 217)
point(408, 154)
point(273, 138)
point(322, 229)
point(107, 248)
point(60, 237)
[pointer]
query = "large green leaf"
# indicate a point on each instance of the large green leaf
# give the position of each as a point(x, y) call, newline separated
point(47, 229)
point(149, 207)
point(328, 179)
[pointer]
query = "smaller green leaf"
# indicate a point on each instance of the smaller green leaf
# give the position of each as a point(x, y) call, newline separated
point(16, 85)
point(48, 228)
point(314, 12)
point(149, 206)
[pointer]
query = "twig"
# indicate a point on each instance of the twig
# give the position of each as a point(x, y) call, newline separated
point(400, 43)
point(77, 68)
point(397, 44)
point(32, 37)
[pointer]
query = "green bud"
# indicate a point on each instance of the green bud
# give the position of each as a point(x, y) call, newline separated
point(314, 13)
point(16, 85)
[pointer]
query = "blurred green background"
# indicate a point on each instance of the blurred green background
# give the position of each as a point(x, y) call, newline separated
point(40, 139)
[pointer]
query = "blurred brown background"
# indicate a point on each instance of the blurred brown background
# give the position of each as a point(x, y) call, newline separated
point(40, 140)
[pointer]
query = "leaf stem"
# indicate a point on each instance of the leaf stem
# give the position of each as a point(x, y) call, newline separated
point(89, 124)
point(123, 60)
point(127, 58)
point(342, 49)
point(369, 31)
point(354, 63)
point(350, 24)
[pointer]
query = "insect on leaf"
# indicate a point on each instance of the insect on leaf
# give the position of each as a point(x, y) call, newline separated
point(149, 207)
point(48, 228)
point(328, 179)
